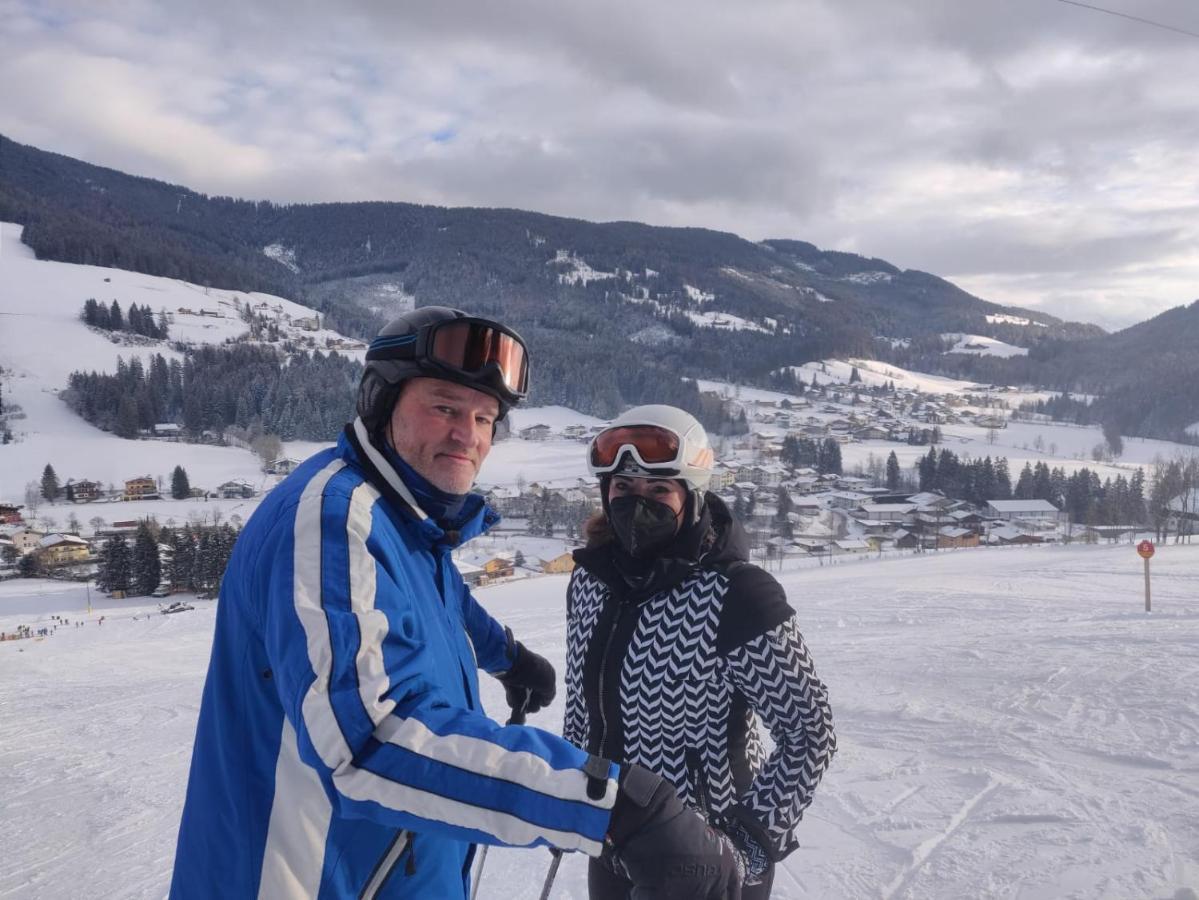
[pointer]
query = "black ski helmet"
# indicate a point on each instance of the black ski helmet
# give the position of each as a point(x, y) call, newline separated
point(445, 343)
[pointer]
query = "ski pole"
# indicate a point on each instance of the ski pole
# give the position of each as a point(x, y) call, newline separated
point(551, 874)
point(517, 718)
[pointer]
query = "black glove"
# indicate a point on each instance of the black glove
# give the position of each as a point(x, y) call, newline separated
point(530, 682)
point(665, 848)
point(748, 844)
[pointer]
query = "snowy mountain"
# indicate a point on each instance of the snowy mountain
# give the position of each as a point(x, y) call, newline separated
point(42, 340)
point(584, 294)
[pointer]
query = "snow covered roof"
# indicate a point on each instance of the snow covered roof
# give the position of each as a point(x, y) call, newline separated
point(924, 498)
point(851, 545)
point(52, 540)
point(952, 531)
point(1019, 506)
point(875, 508)
point(1187, 502)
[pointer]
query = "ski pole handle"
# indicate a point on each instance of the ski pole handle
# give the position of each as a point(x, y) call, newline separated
point(518, 712)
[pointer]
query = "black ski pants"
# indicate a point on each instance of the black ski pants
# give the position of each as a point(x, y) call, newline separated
point(604, 884)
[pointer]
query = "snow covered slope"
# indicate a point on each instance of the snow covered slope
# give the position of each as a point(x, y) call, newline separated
point(1011, 724)
point(983, 346)
point(42, 341)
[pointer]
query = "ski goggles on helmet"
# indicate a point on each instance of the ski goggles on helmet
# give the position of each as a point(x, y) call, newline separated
point(650, 446)
point(475, 352)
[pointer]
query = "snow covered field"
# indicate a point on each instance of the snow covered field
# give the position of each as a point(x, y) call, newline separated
point(1011, 724)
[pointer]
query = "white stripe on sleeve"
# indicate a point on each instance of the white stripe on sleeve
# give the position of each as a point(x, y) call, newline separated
point(475, 755)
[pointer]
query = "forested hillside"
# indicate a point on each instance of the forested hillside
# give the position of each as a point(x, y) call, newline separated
point(614, 312)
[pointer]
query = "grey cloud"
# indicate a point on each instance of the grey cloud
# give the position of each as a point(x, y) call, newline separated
point(1026, 142)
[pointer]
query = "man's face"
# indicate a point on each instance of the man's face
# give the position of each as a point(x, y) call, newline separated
point(443, 430)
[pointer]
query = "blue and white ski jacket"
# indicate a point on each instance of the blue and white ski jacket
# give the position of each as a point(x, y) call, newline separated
point(341, 749)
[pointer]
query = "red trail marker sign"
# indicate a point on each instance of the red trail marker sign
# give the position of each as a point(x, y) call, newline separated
point(1146, 550)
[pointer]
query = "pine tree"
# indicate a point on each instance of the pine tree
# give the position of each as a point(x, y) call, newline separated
point(180, 486)
point(113, 573)
point(116, 321)
point(145, 568)
point(928, 470)
point(183, 561)
point(829, 458)
point(892, 472)
point(50, 488)
point(1003, 480)
point(854, 376)
point(1024, 484)
point(127, 419)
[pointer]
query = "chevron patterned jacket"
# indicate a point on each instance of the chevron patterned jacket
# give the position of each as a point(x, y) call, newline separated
point(676, 673)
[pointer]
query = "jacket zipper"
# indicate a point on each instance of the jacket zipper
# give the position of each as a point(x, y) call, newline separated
point(602, 673)
point(699, 780)
point(387, 863)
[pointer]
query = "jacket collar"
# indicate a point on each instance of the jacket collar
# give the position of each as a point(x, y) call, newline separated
point(355, 445)
point(717, 540)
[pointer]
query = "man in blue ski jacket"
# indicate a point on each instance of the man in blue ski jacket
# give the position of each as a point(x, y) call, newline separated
point(341, 749)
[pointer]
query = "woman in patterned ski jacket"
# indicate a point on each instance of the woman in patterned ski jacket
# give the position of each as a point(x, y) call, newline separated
point(677, 647)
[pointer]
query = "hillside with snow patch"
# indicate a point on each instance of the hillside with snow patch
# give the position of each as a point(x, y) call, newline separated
point(43, 340)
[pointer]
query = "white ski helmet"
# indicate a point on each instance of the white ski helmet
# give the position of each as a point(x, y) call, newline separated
point(654, 441)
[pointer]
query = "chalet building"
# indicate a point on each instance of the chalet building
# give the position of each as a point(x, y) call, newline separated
point(85, 491)
point(847, 499)
point(885, 512)
point(1023, 510)
point(26, 540)
point(126, 528)
point(952, 537)
point(872, 433)
point(562, 564)
point(930, 500)
point(167, 430)
point(811, 546)
point(1006, 535)
point(499, 567)
point(471, 574)
point(850, 545)
point(283, 466)
point(10, 514)
point(1185, 507)
point(63, 549)
point(721, 478)
point(535, 433)
point(141, 488)
point(236, 490)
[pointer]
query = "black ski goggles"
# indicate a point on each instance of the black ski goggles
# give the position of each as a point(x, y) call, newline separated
point(475, 351)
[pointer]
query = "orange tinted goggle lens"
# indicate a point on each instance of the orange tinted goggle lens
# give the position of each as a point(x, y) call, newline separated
point(656, 446)
point(471, 346)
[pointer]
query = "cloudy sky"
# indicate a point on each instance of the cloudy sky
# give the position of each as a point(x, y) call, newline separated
point(1033, 151)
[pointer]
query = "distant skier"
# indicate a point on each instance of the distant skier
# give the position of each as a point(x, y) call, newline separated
point(341, 749)
point(677, 646)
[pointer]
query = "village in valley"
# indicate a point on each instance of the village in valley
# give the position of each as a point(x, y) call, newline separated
point(862, 459)
point(816, 476)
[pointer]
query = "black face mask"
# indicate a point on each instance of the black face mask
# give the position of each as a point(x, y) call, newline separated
point(642, 526)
